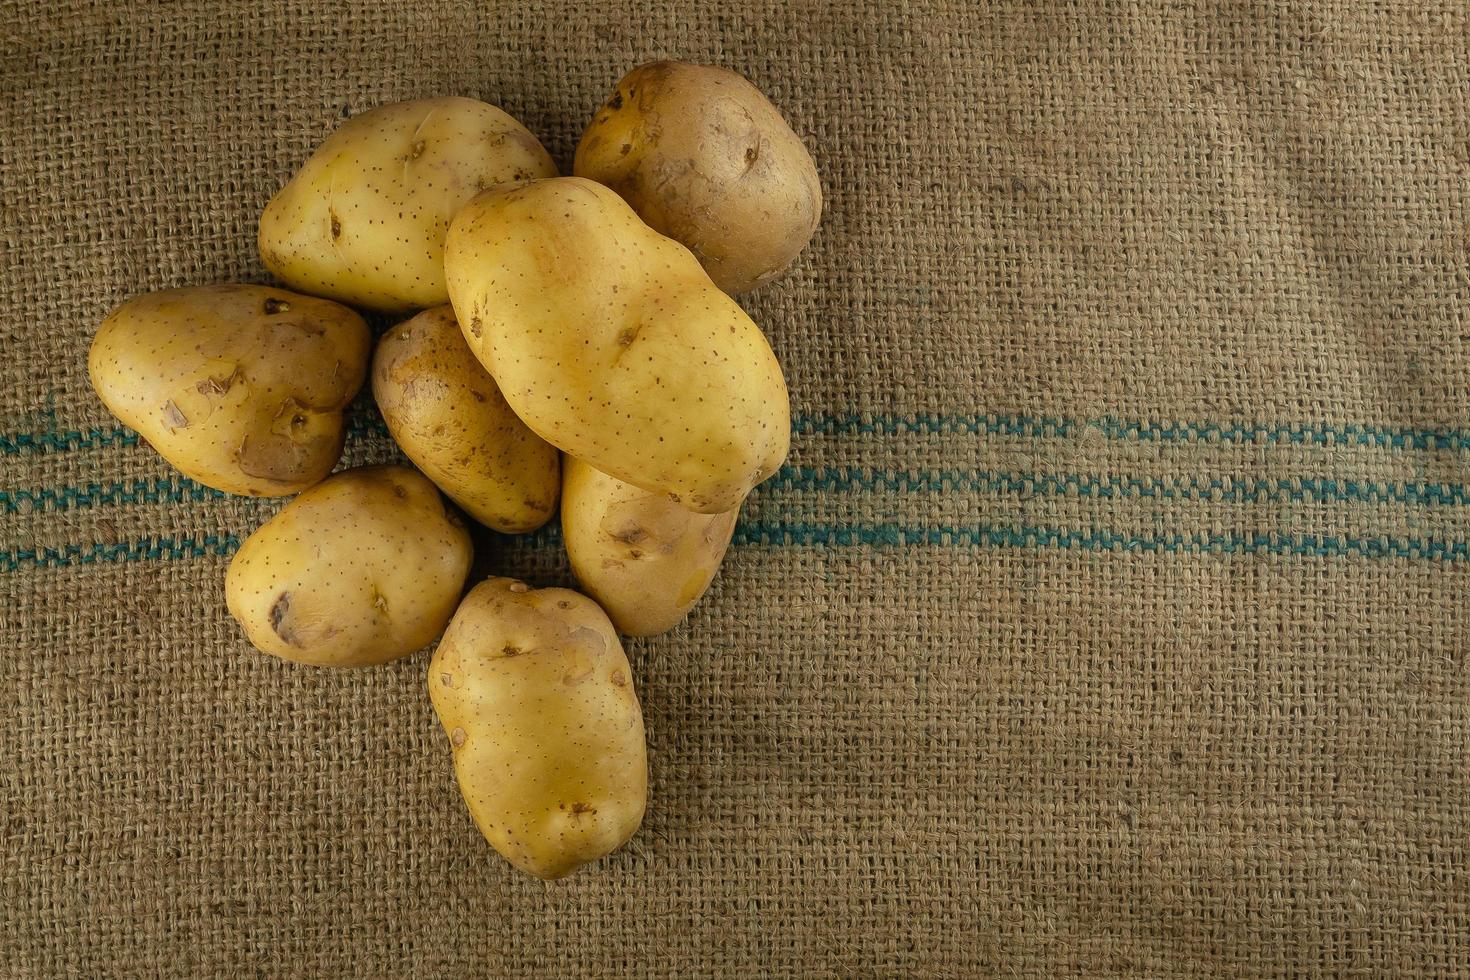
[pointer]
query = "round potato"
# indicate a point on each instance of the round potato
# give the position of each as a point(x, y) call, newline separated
point(610, 341)
point(644, 558)
point(242, 388)
point(704, 158)
point(363, 221)
point(451, 420)
point(536, 695)
point(361, 569)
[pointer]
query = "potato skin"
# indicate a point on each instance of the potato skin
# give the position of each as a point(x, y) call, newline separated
point(706, 159)
point(363, 220)
point(644, 558)
point(242, 388)
point(448, 416)
point(536, 696)
point(610, 341)
point(363, 568)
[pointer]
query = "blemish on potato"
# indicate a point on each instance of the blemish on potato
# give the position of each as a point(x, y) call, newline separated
point(274, 306)
point(457, 737)
point(336, 225)
point(175, 418)
point(280, 609)
point(447, 679)
point(630, 535)
point(218, 386)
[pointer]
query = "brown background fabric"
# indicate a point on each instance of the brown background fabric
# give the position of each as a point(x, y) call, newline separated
point(1111, 618)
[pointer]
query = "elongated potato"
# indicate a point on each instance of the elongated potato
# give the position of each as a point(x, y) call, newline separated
point(450, 418)
point(704, 158)
point(644, 558)
point(363, 221)
point(361, 569)
point(242, 388)
point(536, 695)
point(610, 341)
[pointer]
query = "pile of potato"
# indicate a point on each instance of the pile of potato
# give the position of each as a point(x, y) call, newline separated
point(576, 341)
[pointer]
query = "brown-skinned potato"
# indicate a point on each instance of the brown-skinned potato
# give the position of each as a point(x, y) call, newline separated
point(363, 568)
point(611, 342)
point(645, 559)
point(706, 159)
point(240, 387)
point(450, 418)
point(363, 220)
point(536, 695)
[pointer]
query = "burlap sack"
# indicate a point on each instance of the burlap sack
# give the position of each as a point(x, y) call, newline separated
point(1110, 618)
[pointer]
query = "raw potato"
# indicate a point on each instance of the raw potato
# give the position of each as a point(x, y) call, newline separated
point(704, 158)
point(451, 420)
point(536, 695)
point(610, 341)
point(361, 569)
point(644, 558)
point(363, 221)
point(240, 387)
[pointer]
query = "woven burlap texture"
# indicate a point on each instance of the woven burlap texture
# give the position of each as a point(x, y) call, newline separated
point(1110, 617)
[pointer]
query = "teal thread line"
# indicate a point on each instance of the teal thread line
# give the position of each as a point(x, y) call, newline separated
point(1217, 490)
point(144, 549)
point(844, 480)
point(172, 490)
point(16, 443)
point(1020, 537)
point(1035, 427)
point(1038, 538)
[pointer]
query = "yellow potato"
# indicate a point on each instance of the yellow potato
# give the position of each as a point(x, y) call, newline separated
point(363, 221)
point(452, 421)
point(704, 158)
point(610, 341)
point(361, 569)
point(536, 695)
point(644, 558)
point(240, 387)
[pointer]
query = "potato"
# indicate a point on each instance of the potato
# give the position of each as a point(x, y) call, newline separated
point(451, 420)
point(704, 158)
point(610, 341)
point(363, 221)
point(240, 387)
point(536, 695)
point(644, 558)
point(361, 569)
